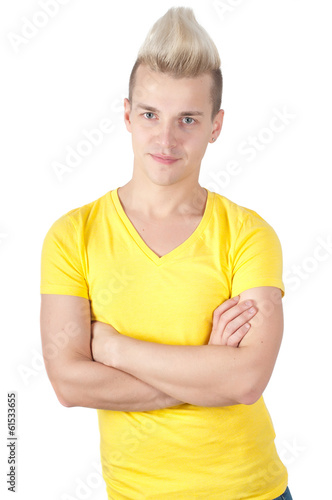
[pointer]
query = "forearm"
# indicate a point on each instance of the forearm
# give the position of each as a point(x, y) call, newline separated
point(206, 375)
point(93, 385)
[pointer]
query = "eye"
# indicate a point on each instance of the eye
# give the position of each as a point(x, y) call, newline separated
point(188, 121)
point(148, 115)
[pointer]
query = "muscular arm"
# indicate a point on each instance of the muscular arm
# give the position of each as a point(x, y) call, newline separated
point(76, 378)
point(209, 375)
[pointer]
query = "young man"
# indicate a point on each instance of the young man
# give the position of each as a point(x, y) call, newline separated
point(166, 276)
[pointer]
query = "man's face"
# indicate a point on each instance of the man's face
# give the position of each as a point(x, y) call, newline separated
point(171, 126)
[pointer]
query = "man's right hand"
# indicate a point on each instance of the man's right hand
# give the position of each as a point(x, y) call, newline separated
point(230, 322)
point(230, 325)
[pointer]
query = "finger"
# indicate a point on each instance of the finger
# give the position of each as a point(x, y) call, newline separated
point(237, 336)
point(228, 305)
point(230, 312)
point(225, 306)
point(226, 331)
point(225, 313)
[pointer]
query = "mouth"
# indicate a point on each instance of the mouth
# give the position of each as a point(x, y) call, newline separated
point(166, 160)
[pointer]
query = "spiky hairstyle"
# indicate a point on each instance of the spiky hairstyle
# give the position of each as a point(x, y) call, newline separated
point(177, 45)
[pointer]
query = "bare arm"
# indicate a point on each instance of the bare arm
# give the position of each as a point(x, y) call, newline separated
point(209, 375)
point(75, 377)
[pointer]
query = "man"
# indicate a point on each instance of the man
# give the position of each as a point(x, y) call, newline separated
point(166, 275)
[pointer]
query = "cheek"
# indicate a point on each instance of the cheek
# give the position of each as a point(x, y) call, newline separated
point(196, 146)
point(140, 137)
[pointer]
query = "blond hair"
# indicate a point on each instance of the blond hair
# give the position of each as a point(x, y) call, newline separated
point(179, 46)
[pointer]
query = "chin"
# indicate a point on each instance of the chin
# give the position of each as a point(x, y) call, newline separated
point(165, 180)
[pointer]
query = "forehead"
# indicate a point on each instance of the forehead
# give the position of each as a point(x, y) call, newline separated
point(163, 88)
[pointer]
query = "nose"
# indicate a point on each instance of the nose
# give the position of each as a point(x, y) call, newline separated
point(167, 135)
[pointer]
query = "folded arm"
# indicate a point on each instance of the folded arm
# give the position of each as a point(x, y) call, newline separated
point(80, 380)
point(208, 375)
point(76, 378)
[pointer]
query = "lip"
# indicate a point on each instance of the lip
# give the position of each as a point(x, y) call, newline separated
point(166, 160)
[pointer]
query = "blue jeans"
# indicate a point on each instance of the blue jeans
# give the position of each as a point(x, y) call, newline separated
point(285, 496)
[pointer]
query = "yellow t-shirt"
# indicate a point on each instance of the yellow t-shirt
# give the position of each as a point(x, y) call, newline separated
point(187, 451)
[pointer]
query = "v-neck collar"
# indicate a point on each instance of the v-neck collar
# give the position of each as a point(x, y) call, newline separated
point(176, 251)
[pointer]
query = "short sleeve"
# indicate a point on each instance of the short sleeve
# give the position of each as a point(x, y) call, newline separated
point(257, 256)
point(61, 261)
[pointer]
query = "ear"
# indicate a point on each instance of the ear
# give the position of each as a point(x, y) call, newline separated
point(127, 110)
point(217, 124)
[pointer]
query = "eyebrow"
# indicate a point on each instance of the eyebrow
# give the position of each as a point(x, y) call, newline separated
point(155, 110)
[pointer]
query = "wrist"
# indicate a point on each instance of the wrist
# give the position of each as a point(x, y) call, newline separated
point(104, 343)
point(123, 350)
point(113, 349)
point(106, 357)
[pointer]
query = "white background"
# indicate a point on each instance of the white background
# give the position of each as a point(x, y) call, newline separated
point(71, 74)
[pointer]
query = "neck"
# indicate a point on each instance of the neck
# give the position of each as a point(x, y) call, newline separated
point(163, 202)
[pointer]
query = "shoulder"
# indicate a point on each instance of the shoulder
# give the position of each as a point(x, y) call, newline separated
point(239, 217)
point(81, 217)
point(254, 249)
point(90, 211)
